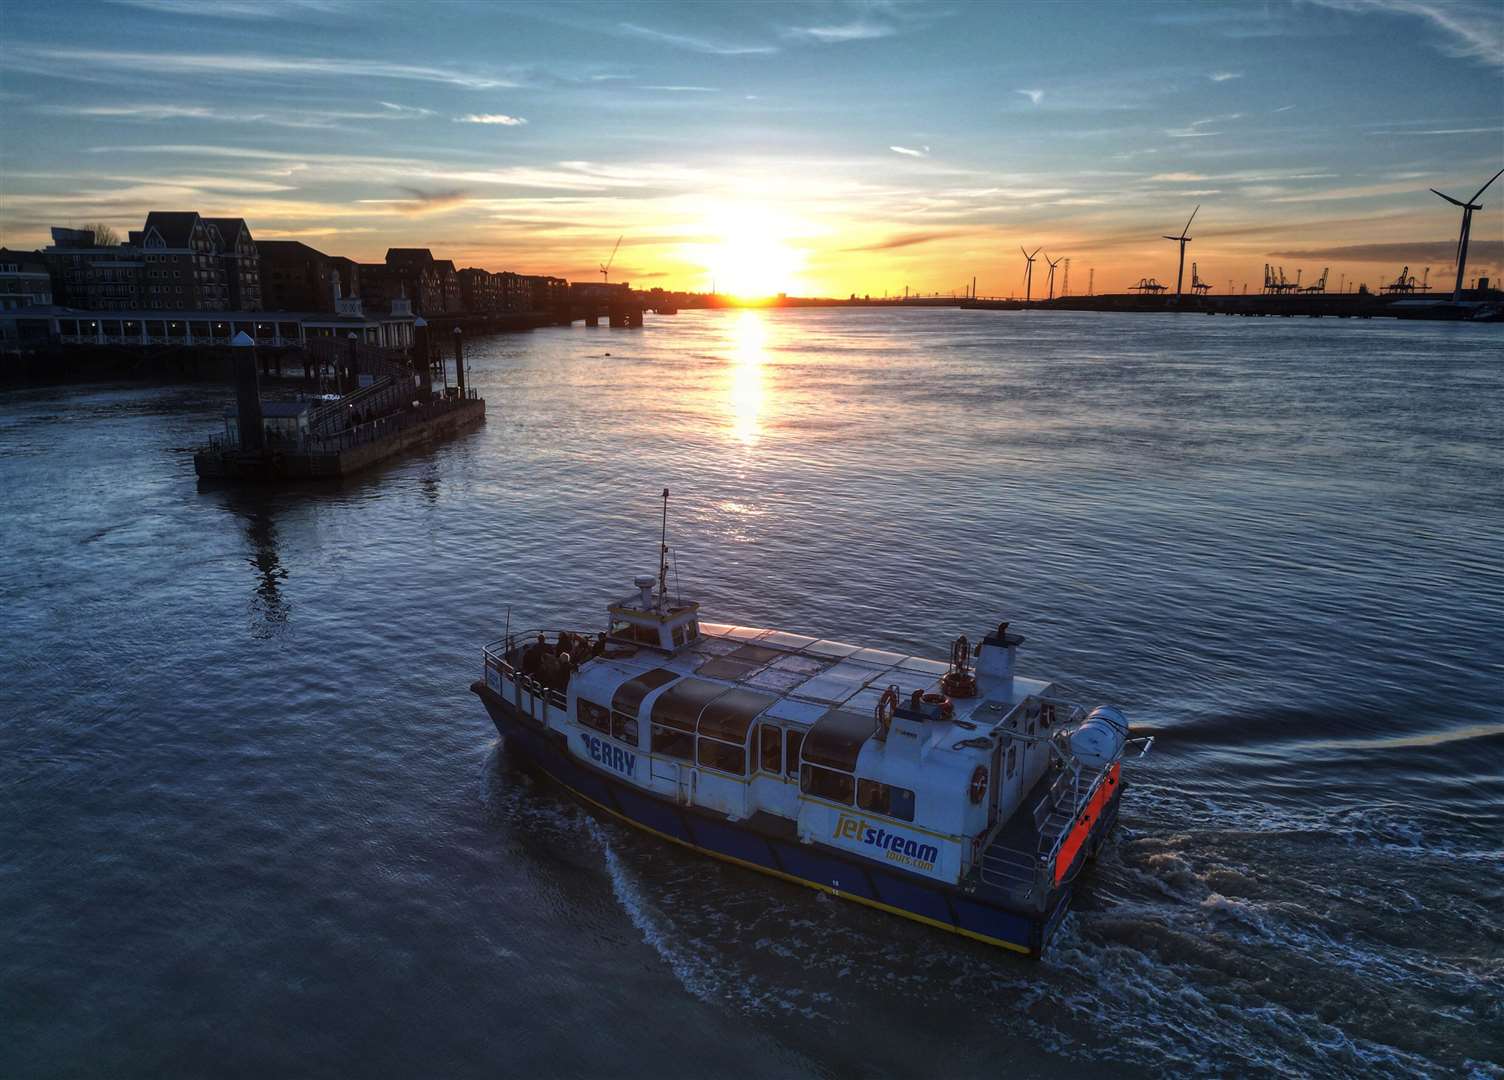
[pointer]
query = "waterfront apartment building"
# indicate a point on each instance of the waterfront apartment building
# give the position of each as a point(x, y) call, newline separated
point(88, 274)
point(545, 293)
point(236, 252)
point(296, 277)
point(182, 270)
point(431, 284)
point(480, 291)
point(177, 261)
point(24, 280)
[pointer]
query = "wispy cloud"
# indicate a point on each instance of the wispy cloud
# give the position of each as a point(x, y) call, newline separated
point(1036, 96)
point(147, 112)
point(685, 89)
point(910, 151)
point(1469, 31)
point(904, 240)
point(491, 118)
point(420, 201)
point(1197, 129)
point(258, 65)
point(240, 9)
point(1413, 252)
point(1437, 131)
point(860, 30)
point(697, 44)
point(1225, 76)
point(1245, 21)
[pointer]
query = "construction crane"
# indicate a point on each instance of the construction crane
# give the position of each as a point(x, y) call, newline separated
point(606, 266)
point(1319, 285)
point(1405, 283)
point(1149, 285)
point(1199, 287)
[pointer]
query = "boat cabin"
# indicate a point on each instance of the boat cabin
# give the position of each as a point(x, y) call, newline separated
point(915, 762)
point(658, 624)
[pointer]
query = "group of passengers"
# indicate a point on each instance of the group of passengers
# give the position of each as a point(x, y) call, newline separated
point(553, 664)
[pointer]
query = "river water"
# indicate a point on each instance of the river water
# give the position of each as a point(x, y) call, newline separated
point(254, 824)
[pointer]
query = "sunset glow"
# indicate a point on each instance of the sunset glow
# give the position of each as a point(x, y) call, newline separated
point(757, 149)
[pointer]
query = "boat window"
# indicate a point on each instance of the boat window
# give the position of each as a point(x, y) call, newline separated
point(885, 799)
point(826, 784)
point(674, 744)
point(679, 636)
point(624, 727)
point(1012, 759)
point(628, 699)
point(630, 631)
point(593, 716)
point(681, 704)
point(730, 716)
point(724, 756)
point(771, 749)
point(791, 744)
point(836, 739)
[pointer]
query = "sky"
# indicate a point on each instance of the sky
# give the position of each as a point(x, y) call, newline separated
point(815, 149)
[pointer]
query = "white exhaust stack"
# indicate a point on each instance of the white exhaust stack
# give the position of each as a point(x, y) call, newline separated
point(996, 655)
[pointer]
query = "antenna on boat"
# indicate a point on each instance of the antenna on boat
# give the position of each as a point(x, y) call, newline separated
point(663, 557)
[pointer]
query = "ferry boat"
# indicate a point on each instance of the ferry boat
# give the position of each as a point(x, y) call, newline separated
point(955, 793)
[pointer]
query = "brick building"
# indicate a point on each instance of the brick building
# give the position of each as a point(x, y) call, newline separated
point(236, 250)
point(296, 277)
point(24, 280)
point(97, 277)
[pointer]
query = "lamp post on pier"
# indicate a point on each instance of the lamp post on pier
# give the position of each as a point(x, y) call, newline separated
point(459, 360)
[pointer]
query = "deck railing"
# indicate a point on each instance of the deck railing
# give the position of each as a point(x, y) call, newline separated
point(496, 659)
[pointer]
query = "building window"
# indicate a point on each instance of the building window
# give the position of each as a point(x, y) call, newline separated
point(879, 798)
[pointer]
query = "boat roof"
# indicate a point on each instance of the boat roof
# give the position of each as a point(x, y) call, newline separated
point(730, 675)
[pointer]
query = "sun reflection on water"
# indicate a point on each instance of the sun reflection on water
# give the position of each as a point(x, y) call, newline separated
point(746, 400)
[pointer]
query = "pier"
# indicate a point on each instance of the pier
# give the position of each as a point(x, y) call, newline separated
point(383, 404)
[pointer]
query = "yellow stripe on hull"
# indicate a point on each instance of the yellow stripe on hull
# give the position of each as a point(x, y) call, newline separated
point(878, 904)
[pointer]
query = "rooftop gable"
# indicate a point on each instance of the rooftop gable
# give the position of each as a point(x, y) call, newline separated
point(173, 227)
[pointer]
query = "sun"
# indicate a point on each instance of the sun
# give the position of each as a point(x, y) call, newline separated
point(753, 258)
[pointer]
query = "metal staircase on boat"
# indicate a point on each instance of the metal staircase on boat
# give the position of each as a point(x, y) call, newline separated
point(1014, 858)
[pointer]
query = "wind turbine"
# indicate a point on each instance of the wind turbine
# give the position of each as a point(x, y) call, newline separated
point(1028, 271)
point(606, 266)
point(1183, 240)
point(1052, 275)
point(1467, 225)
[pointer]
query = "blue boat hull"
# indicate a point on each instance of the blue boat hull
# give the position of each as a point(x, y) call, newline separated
point(760, 848)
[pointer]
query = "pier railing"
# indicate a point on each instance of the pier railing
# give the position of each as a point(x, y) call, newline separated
point(337, 441)
point(385, 426)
